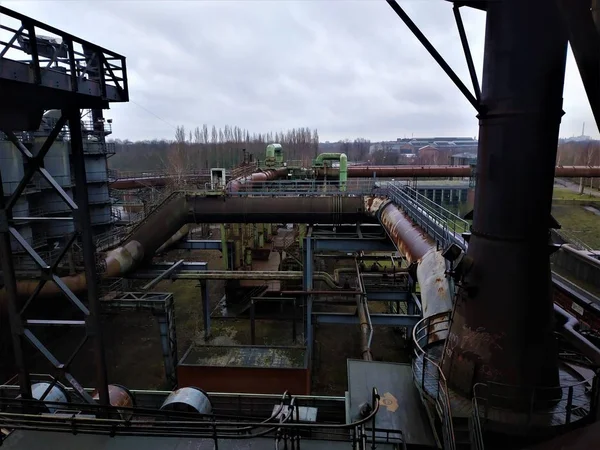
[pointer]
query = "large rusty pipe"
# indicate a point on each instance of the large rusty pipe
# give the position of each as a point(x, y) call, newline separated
point(266, 175)
point(409, 171)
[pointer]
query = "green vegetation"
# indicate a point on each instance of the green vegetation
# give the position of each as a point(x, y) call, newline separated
point(579, 222)
point(568, 194)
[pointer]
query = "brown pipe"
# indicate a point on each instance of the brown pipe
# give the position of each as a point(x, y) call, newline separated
point(267, 175)
point(408, 238)
point(408, 171)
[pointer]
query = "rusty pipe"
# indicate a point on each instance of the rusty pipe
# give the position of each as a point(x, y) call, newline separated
point(409, 171)
point(266, 175)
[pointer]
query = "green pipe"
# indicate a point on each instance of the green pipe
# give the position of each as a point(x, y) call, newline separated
point(261, 234)
point(343, 171)
point(301, 234)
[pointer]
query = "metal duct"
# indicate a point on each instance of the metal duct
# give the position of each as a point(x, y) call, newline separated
point(160, 226)
point(417, 247)
point(267, 175)
point(408, 171)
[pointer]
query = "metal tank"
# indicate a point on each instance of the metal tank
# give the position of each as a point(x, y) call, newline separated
point(98, 194)
point(56, 162)
point(119, 396)
point(188, 399)
point(11, 167)
point(100, 214)
point(95, 169)
point(21, 209)
point(57, 394)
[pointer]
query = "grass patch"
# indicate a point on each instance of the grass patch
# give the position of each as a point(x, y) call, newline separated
point(583, 224)
point(568, 194)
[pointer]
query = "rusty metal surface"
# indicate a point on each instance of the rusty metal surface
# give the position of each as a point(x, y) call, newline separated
point(266, 175)
point(259, 380)
point(408, 238)
point(435, 286)
point(502, 327)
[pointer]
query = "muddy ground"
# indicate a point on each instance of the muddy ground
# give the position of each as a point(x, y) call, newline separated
point(133, 349)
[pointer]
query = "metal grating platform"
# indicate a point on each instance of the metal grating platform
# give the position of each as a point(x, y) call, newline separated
point(401, 408)
point(245, 356)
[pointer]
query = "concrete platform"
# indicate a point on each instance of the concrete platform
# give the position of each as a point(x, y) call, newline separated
point(400, 409)
point(40, 440)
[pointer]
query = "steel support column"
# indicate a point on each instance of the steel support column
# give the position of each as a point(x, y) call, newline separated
point(205, 309)
point(502, 327)
point(84, 226)
point(307, 285)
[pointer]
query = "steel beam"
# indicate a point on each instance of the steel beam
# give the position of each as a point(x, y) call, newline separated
point(389, 296)
point(393, 320)
point(163, 275)
point(199, 244)
point(353, 244)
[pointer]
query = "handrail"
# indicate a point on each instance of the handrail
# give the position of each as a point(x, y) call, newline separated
point(81, 418)
point(475, 429)
point(432, 326)
point(306, 187)
point(578, 398)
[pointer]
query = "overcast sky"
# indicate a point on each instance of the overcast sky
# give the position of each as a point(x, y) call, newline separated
point(348, 68)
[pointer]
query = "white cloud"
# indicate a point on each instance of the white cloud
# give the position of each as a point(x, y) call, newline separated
point(348, 68)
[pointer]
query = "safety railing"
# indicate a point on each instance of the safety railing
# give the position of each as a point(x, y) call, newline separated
point(428, 375)
point(131, 175)
point(526, 407)
point(442, 225)
point(295, 188)
point(285, 424)
point(59, 60)
point(475, 429)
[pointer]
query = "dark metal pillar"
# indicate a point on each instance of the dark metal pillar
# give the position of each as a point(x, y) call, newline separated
point(205, 309)
point(503, 321)
point(10, 284)
point(84, 226)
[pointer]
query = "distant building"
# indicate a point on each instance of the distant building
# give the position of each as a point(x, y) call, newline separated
point(463, 159)
point(412, 146)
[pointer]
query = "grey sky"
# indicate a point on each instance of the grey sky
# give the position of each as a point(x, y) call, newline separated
point(349, 68)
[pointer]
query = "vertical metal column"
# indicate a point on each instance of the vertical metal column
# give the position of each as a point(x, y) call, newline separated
point(502, 329)
point(205, 309)
point(307, 285)
point(10, 284)
point(84, 227)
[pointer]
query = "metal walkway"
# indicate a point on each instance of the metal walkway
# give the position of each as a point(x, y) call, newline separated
point(401, 406)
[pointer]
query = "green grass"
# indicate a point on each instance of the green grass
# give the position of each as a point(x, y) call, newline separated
point(583, 224)
point(568, 194)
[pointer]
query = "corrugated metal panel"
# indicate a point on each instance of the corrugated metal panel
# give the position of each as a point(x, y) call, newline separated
point(11, 166)
point(56, 161)
point(95, 168)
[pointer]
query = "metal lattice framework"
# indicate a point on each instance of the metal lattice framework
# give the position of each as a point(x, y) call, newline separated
point(43, 68)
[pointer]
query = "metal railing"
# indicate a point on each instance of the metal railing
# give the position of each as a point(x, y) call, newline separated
point(285, 424)
point(60, 60)
point(475, 428)
point(131, 175)
point(441, 224)
point(428, 375)
point(295, 188)
point(540, 406)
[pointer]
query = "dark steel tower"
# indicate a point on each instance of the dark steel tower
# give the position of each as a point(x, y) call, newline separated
point(503, 319)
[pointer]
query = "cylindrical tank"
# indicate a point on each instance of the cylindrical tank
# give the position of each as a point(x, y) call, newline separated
point(188, 399)
point(11, 166)
point(57, 394)
point(56, 161)
point(99, 214)
point(119, 396)
point(278, 154)
point(270, 151)
point(95, 168)
point(98, 194)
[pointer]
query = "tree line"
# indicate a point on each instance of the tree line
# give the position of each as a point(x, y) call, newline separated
point(204, 147)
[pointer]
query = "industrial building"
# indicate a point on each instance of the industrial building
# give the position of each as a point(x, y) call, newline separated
point(460, 335)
